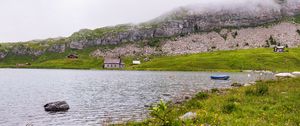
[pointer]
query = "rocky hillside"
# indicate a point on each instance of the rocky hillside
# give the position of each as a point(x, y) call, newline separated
point(189, 29)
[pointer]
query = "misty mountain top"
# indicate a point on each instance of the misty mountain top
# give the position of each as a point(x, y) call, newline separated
point(242, 8)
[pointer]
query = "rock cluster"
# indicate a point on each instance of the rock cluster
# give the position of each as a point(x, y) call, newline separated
point(283, 33)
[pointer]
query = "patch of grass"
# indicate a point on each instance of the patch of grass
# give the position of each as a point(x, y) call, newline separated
point(235, 60)
point(281, 106)
point(259, 90)
point(229, 108)
point(297, 19)
point(201, 96)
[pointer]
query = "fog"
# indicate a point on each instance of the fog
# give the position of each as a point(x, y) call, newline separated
point(22, 20)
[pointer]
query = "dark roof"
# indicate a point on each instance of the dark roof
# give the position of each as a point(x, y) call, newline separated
point(280, 47)
point(112, 61)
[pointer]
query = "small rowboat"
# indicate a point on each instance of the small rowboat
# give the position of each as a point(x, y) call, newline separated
point(220, 77)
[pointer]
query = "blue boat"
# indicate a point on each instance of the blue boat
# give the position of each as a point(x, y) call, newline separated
point(220, 77)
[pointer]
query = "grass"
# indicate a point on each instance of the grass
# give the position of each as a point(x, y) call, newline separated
point(55, 60)
point(236, 60)
point(232, 61)
point(277, 106)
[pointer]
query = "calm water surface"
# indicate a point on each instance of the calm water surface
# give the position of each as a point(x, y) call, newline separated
point(95, 97)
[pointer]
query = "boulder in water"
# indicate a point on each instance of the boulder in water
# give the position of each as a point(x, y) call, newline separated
point(57, 106)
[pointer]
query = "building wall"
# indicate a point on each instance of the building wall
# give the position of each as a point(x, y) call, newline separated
point(111, 66)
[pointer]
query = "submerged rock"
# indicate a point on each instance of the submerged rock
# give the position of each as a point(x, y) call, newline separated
point(57, 106)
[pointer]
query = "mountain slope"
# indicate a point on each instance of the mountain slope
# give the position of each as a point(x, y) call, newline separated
point(187, 30)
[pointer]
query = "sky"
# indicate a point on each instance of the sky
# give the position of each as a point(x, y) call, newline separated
point(24, 20)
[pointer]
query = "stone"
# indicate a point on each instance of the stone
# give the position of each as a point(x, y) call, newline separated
point(166, 94)
point(296, 74)
point(187, 97)
point(247, 85)
point(236, 85)
point(285, 75)
point(188, 116)
point(3, 54)
point(57, 106)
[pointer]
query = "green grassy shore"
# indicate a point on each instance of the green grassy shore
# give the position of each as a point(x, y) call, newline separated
point(235, 60)
point(268, 103)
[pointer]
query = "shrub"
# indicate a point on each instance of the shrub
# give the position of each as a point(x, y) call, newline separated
point(235, 34)
point(214, 90)
point(249, 91)
point(201, 96)
point(229, 108)
point(298, 31)
point(194, 104)
point(233, 99)
point(260, 90)
point(162, 115)
point(272, 40)
point(154, 42)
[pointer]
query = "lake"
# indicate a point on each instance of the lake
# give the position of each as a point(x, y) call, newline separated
point(96, 97)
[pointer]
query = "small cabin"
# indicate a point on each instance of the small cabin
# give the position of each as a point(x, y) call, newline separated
point(279, 49)
point(136, 62)
point(113, 63)
point(73, 56)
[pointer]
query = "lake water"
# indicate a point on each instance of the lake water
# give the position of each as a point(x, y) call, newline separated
point(95, 97)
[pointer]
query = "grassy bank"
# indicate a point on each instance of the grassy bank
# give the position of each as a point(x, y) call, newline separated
point(267, 103)
point(236, 60)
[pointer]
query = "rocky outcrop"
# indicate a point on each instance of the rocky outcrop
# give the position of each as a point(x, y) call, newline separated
point(126, 50)
point(58, 48)
point(24, 50)
point(3, 54)
point(57, 106)
point(283, 33)
point(227, 39)
point(191, 22)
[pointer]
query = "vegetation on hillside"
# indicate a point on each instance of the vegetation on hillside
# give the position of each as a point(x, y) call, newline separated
point(268, 103)
point(235, 60)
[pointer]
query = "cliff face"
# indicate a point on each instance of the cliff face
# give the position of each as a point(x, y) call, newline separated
point(187, 20)
point(284, 34)
point(182, 21)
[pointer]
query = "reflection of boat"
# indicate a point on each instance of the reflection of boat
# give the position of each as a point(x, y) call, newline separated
point(220, 77)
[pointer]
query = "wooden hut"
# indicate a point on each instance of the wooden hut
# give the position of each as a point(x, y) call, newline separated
point(73, 56)
point(279, 49)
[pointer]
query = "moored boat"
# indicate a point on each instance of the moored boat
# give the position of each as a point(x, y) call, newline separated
point(220, 77)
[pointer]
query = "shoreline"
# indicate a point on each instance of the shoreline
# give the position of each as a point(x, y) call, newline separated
point(242, 98)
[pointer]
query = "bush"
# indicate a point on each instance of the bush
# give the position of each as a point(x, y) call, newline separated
point(229, 108)
point(298, 31)
point(214, 90)
point(162, 115)
point(194, 104)
point(233, 99)
point(260, 90)
point(154, 42)
point(201, 96)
